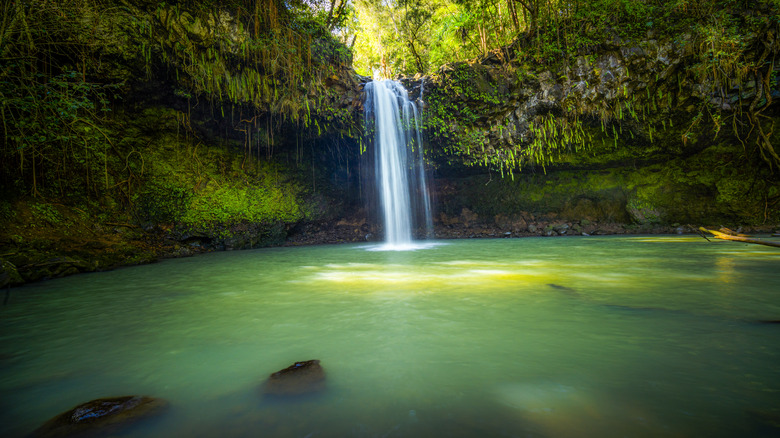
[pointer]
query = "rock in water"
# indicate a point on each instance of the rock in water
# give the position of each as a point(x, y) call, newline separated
point(100, 417)
point(299, 378)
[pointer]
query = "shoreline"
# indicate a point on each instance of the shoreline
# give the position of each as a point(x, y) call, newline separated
point(65, 256)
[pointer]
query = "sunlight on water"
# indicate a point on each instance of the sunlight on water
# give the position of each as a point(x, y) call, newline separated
point(408, 276)
point(565, 337)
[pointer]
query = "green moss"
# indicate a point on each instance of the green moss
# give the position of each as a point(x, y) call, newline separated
point(256, 202)
point(642, 211)
point(7, 212)
point(199, 187)
point(47, 213)
point(706, 187)
point(162, 201)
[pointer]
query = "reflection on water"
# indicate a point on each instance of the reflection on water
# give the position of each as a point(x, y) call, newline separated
point(567, 337)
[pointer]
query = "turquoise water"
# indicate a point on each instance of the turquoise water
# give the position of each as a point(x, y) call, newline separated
point(539, 337)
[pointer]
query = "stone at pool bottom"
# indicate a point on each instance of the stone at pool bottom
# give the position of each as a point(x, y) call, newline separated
point(100, 417)
point(299, 378)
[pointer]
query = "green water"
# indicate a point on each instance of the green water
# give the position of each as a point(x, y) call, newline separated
point(555, 337)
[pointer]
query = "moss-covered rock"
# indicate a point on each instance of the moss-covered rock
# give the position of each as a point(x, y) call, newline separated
point(9, 276)
point(692, 190)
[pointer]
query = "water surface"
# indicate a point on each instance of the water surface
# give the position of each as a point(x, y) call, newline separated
point(540, 337)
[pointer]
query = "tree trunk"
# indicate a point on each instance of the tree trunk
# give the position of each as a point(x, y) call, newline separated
point(724, 236)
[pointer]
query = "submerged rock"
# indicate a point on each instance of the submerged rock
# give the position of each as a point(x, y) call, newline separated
point(299, 378)
point(100, 417)
point(564, 289)
point(766, 422)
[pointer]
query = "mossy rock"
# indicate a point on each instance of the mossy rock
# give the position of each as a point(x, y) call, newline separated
point(642, 212)
point(9, 276)
point(56, 267)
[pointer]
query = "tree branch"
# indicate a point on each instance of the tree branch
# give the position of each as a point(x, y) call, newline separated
point(724, 236)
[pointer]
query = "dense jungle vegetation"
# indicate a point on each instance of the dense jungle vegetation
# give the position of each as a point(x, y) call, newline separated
point(69, 65)
point(729, 45)
point(208, 118)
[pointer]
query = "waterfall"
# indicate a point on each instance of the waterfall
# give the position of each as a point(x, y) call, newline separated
point(393, 135)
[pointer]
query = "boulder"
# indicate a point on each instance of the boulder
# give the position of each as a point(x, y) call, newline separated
point(100, 417)
point(9, 276)
point(299, 378)
point(561, 228)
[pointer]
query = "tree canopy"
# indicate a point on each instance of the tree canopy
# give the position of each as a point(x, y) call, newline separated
point(407, 37)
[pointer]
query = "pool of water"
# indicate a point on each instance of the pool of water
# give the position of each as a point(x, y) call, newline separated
point(540, 337)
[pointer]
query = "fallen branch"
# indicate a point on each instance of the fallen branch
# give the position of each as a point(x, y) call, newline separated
point(728, 231)
point(724, 236)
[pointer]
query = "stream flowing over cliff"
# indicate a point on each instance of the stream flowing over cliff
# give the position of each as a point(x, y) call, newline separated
point(152, 130)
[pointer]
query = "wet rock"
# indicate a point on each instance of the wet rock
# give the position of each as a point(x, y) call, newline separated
point(101, 417)
point(299, 378)
point(58, 267)
point(515, 223)
point(9, 276)
point(449, 221)
point(643, 213)
point(182, 251)
point(468, 217)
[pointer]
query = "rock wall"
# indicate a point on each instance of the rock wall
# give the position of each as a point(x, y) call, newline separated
point(629, 133)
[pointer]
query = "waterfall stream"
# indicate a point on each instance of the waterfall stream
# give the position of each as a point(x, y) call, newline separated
point(393, 132)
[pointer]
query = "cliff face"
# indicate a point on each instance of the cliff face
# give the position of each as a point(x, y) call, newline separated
point(636, 132)
point(142, 129)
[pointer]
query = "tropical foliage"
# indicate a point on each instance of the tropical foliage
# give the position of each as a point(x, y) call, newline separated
point(258, 65)
point(67, 66)
point(729, 49)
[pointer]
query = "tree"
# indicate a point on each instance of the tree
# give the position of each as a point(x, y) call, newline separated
point(396, 31)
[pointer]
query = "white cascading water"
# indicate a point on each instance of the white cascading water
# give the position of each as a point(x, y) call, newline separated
point(393, 130)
